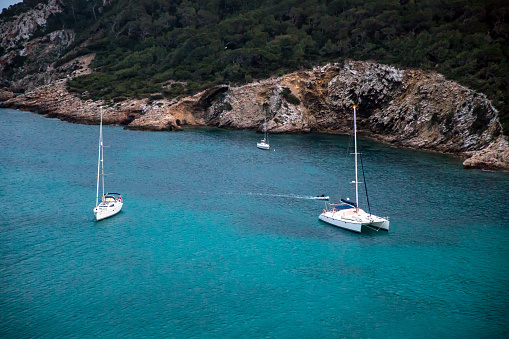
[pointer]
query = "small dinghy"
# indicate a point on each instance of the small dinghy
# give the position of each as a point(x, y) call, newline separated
point(321, 197)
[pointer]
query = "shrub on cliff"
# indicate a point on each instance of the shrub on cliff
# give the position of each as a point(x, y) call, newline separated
point(287, 94)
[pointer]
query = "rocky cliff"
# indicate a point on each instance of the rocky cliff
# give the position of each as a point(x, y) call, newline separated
point(409, 108)
point(22, 27)
point(29, 62)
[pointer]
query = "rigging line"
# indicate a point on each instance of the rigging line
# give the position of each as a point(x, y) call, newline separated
point(346, 158)
point(347, 150)
point(365, 185)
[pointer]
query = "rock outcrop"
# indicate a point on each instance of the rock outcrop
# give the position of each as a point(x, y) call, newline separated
point(55, 101)
point(409, 108)
point(23, 26)
point(494, 157)
point(30, 61)
point(5, 95)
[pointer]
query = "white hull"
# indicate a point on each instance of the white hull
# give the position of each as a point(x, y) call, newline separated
point(354, 222)
point(348, 215)
point(102, 212)
point(111, 203)
point(262, 145)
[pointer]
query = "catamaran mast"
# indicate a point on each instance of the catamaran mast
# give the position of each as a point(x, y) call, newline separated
point(355, 142)
point(99, 160)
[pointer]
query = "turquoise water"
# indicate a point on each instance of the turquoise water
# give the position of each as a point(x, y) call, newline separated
point(218, 239)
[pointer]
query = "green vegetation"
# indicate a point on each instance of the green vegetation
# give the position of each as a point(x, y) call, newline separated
point(287, 94)
point(143, 44)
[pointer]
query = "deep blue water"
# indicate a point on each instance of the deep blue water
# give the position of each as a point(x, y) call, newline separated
point(217, 238)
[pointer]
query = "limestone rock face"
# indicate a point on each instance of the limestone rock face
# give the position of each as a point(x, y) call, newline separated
point(24, 25)
point(434, 113)
point(30, 63)
point(494, 157)
point(153, 117)
point(5, 95)
point(39, 55)
point(249, 106)
point(56, 102)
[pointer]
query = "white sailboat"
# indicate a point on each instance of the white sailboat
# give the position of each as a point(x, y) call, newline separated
point(111, 203)
point(264, 143)
point(347, 214)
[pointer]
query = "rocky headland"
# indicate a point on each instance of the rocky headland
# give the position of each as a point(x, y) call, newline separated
point(404, 107)
point(408, 108)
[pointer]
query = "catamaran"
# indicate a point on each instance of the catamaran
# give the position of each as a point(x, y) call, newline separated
point(347, 214)
point(264, 143)
point(111, 203)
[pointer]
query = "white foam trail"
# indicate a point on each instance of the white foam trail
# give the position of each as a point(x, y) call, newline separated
point(291, 196)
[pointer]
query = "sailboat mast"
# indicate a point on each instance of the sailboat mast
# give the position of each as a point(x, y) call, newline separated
point(355, 143)
point(99, 160)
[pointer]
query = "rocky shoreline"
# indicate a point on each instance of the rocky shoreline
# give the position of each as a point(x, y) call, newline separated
point(404, 107)
point(407, 108)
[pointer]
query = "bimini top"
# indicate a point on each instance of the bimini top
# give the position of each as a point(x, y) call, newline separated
point(112, 197)
point(341, 206)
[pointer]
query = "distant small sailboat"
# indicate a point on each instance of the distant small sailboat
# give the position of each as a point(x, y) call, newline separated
point(111, 203)
point(347, 214)
point(264, 143)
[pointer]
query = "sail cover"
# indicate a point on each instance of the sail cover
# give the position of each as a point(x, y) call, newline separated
point(349, 202)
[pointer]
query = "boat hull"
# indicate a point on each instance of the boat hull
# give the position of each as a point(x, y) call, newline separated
point(329, 218)
point(383, 225)
point(351, 224)
point(261, 145)
point(106, 212)
point(321, 198)
point(348, 215)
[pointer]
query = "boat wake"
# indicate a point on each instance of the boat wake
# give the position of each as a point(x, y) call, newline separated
point(289, 196)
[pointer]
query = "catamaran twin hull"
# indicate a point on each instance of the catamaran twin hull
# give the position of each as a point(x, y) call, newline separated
point(353, 222)
point(347, 214)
